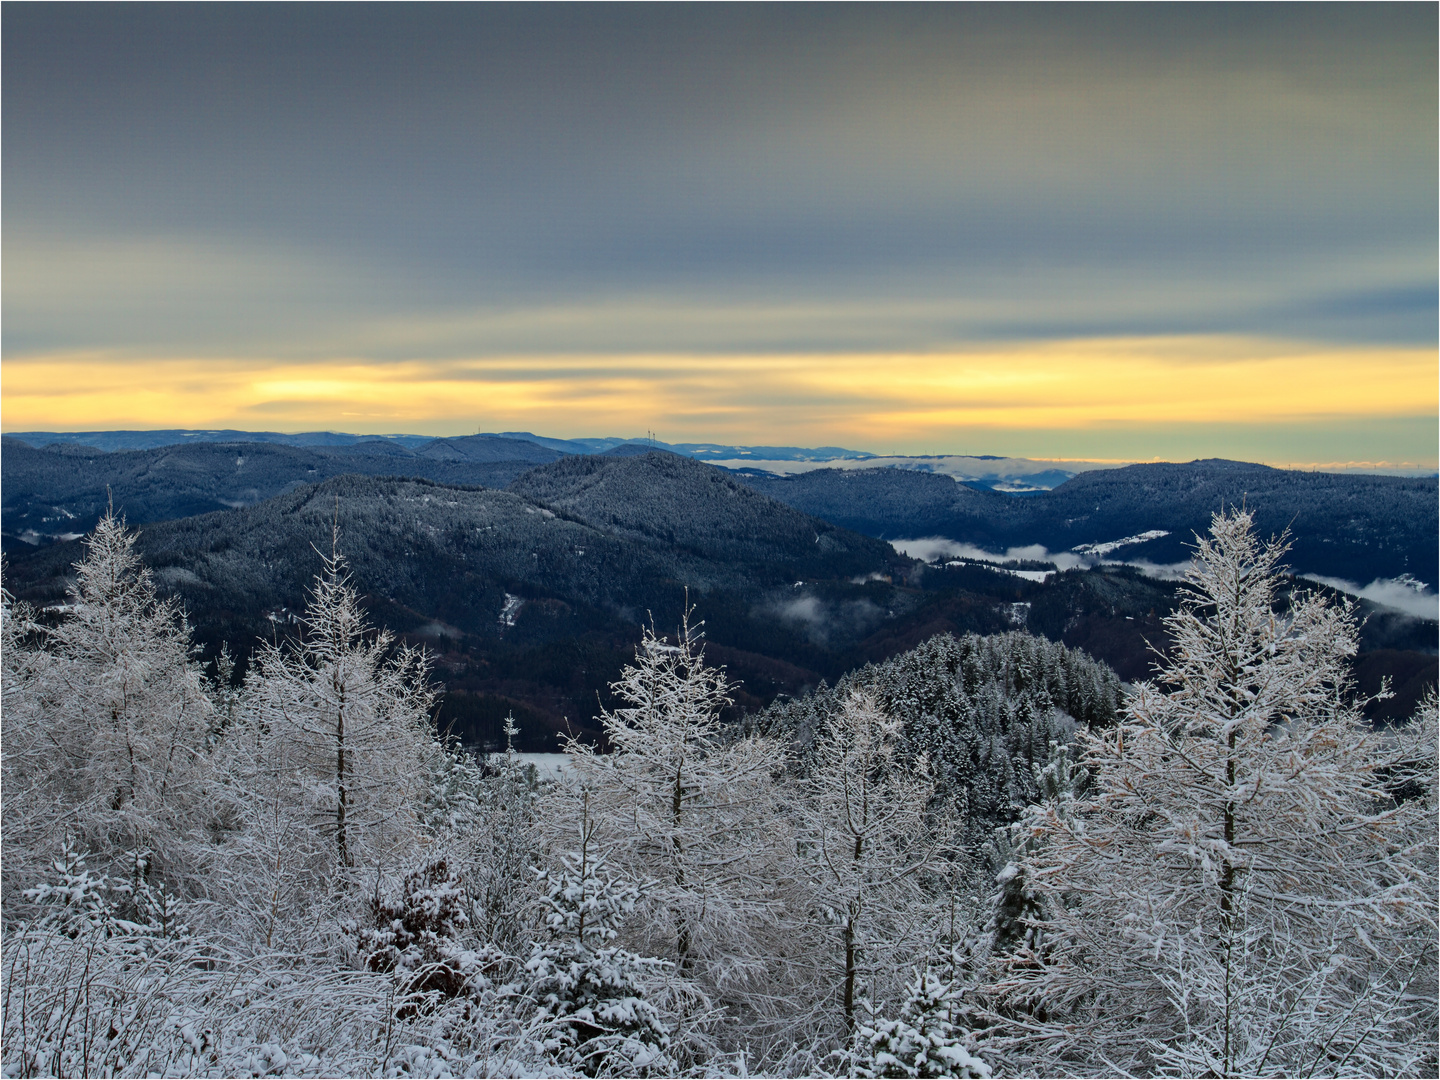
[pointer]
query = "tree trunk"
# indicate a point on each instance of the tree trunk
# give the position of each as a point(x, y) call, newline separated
point(683, 943)
point(342, 845)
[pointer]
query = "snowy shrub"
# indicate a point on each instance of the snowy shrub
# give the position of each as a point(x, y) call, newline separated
point(593, 993)
point(922, 1041)
point(415, 936)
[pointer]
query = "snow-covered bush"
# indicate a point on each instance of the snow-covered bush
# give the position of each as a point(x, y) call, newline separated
point(416, 936)
point(923, 1041)
point(593, 993)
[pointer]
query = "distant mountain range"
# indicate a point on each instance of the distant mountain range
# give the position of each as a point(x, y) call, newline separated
point(150, 440)
point(1012, 475)
point(1351, 527)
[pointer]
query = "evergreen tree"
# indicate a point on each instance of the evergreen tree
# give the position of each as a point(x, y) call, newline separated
point(923, 1041)
point(593, 993)
point(1015, 908)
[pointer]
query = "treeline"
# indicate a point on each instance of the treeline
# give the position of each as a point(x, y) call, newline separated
point(974, 860)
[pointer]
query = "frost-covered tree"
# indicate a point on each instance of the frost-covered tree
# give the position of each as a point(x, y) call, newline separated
point(338, 728)
point(1238, 893)
point(106, 720)
point(502, 846)
point(1015, 908)
point(693, 815)
point(865, 840)
point(923, 1041)
point(592, 993)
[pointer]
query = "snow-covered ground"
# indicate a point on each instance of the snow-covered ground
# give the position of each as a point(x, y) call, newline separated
point(549, 766)
point(1110, 546)
point(1028, 575)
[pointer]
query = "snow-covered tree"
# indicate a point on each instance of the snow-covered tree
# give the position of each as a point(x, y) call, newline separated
point(106, 721)
point(502, 846)
point(338, 728)
point(866, 837)
point(592, 992)
point(1015, 909)
point(1238, 893)
point(923, 1041)
point(693, 815)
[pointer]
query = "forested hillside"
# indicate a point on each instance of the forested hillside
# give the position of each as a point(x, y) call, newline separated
point(986, 712)
point(528, 608)
point(661, 499)
point(533, 598)
point(63, 489)
point(1349, 526)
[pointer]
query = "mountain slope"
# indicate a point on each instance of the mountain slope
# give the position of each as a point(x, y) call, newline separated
point(662, 499)
point(528, 607)
point(1356, 527)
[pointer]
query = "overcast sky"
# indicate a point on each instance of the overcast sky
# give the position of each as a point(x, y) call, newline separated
point(1122, 231)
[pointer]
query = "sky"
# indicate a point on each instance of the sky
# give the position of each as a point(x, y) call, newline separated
point(1121, 233)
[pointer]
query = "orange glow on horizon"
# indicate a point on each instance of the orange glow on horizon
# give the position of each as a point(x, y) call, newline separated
point(880, 401)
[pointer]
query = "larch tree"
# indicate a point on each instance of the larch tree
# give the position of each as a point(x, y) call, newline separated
point(1238, 892)
point(866, 839)
point(106, 720)
point(337, 729)
point(693, 815)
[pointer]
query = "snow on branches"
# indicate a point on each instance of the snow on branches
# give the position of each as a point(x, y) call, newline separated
point(1237, 893)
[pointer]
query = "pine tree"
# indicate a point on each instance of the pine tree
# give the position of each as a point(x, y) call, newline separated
point(1237, 894)
point(416, 936)
point(1016, 912)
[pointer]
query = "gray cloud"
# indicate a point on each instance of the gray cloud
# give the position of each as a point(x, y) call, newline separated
point(217, 179)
